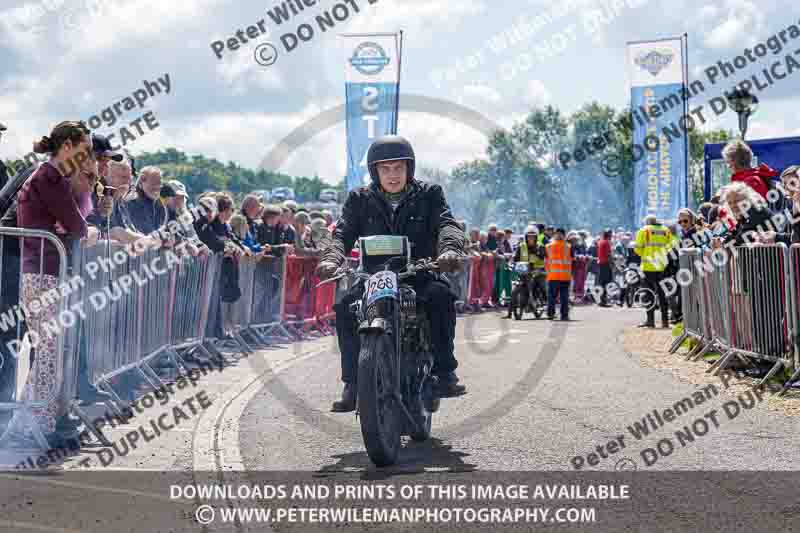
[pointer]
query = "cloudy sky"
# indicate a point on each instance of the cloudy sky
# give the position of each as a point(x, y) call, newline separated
point(71, 59)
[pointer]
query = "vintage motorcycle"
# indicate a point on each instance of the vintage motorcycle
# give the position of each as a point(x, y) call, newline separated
point(526, 295)
point(396, 390)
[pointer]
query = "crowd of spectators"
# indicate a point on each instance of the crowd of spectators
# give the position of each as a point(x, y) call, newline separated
point(759, 205)
point(602, 257)
point(86, 191)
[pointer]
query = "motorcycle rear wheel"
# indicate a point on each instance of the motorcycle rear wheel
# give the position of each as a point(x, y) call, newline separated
point(423, 414)
point(379, 415)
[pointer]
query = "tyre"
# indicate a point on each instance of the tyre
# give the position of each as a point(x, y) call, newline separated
point(629, 295)
point(425, 432)
point(379, 415)
point(518, 301)
point(537, 304)
point(423, 414)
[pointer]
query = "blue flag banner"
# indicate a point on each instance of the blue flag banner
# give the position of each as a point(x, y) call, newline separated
point(657, 75)
point(372, 86)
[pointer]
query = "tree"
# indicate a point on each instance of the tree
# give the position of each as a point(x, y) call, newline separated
point(474, 183)
point(199, 174)
point(540, 138)
point(697, 142)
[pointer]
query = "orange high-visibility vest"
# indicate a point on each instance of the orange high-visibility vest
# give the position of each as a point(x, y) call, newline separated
point(559, 261)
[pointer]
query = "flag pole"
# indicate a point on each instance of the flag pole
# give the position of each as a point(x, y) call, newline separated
point(399, 74)
point(686, 107)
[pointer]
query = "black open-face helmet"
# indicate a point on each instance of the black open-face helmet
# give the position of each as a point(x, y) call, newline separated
point(390, 148)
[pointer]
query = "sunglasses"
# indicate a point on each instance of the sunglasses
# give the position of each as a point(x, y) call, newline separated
point(684, 221)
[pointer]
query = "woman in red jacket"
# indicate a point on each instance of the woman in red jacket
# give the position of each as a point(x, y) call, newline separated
point(739, 158)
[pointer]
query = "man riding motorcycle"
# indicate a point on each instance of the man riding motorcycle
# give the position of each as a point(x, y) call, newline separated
point(531, 252)
point(397, 204)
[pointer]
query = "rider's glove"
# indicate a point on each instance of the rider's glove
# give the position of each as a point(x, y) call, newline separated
point(326, 269)
point(450, 262)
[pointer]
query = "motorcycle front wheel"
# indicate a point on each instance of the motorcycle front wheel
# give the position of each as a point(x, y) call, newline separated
point(378, 412)
point(537, 303)
point(519, 301)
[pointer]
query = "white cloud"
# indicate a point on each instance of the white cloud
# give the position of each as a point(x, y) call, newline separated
point(242, 74)
point(235, 110)
point(442, 143)
point(769, 129)
point(422, 20)
point(482, 95)
point(536, 94)
point(493, 103)
point(742, 20)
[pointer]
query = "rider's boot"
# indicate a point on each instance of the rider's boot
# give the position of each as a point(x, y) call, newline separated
point(448, 386)
point(348, 401)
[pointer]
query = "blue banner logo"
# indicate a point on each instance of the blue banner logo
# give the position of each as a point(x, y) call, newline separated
point(659, 168)
point(369, 59)
point(655, 61)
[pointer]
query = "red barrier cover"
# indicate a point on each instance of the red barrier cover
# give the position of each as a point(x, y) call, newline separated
point(474, 281)
point(487, 279)
point(304, 300)
point(299, 273)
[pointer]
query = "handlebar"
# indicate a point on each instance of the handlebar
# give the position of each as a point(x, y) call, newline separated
point(344, 272)
point(423, 265)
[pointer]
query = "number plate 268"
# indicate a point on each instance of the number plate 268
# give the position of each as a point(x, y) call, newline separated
point(382, 285)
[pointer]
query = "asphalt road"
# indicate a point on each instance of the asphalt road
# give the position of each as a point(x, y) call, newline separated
point(540, 393)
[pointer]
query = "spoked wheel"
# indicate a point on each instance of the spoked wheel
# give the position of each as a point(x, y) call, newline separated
point(379, 415)
point(518, 301)
point(537, 304)
point(629, 295)
point(426, 403)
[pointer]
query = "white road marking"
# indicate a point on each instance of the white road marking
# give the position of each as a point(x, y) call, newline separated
point(96, 488)
point(35, 527)
point(230, 405)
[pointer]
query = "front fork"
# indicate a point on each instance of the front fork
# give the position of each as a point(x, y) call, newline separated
point(383, 317)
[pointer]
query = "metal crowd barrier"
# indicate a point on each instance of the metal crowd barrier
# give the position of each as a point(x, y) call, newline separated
point(139, 308)
point(192, 298)
point(793, 308)
point(739, 304)
point(266, 319)
point(23, 408)
point(692, 295)
point(459, 282)
point(241, 312)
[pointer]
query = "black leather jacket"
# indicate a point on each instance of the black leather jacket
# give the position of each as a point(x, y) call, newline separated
point(423, 216)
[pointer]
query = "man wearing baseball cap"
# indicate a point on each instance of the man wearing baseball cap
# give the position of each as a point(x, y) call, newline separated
point(176, 208)
point(104, 153)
